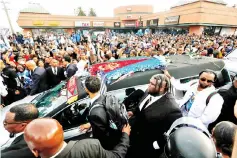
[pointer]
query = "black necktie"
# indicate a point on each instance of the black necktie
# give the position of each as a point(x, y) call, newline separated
point(146, 103)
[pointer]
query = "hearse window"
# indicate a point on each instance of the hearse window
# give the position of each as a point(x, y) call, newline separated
point(128, 94)
point(73, 115)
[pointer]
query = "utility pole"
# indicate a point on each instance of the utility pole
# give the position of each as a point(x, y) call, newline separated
point(8, 17)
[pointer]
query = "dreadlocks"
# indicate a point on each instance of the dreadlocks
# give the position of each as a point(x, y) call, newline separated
point(160, 78)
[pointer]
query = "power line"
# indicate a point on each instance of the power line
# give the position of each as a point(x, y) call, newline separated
point(8, 17)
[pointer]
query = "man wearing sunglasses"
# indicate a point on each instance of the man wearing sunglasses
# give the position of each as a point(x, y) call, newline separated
point(200, 100)
point(15, 122)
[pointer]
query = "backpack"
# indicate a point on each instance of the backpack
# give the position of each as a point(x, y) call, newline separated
point(220, 91)
point(209, 97)
point(116, 112)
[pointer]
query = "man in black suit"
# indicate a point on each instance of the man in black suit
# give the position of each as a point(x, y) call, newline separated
point(15, 122)
point(52, 144)
point(54, 74)
point(70, 69)
point(38, 76)
point(97, 116)
point(154, 115)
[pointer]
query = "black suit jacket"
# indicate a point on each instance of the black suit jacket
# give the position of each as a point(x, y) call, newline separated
point(71, 69)
point(52, 79)
point(91, 148)
point(39, 81)
point(18, 149)
point(150, 125)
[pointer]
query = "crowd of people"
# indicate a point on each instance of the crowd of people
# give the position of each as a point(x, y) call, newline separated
point(31, 66)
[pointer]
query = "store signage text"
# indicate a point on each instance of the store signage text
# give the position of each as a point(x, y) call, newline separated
point(130, 24)
point(98, 24)
point(38, 23)
point(82, 23)
point(172, 20)
point(54, 23)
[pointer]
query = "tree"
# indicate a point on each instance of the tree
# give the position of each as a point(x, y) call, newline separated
point(92, 12)
point(80, 12)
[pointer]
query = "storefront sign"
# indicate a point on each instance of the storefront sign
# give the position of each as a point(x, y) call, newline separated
point(117, 24)
point(82, 23)
point(98, 24)
point(172, 20)
point(54, 23)
point(130, 24)
point(153, 22)
point(38, 23)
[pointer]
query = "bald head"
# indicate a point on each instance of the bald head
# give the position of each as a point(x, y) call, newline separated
point(30, 65)
point(44, 136)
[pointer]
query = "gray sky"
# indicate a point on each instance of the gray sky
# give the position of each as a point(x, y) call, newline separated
point(104, 8)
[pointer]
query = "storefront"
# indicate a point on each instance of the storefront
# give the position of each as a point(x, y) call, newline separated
point(193, 17)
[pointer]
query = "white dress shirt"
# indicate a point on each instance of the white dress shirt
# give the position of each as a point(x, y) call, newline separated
point(206, 113)
point(64, 146)
point(153, 99)
point(94, 99)
point(55, 70)
point(10, 140)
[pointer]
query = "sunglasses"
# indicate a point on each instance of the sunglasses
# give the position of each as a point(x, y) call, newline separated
point(208, 81)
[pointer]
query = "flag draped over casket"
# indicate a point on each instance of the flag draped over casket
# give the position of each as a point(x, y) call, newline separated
point(120, 69)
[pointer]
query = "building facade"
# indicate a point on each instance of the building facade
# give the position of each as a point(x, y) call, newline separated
point(193, 17)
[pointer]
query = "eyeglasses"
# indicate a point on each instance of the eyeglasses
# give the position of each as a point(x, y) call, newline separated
point(208, 81)
point(11, 123)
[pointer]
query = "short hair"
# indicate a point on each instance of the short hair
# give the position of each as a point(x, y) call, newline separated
point(25, 112)
point(224, 134)
point(92, 83)
point(161, 78)
point(67, 58)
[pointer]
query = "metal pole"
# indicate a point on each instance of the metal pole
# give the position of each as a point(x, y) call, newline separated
point(8, 17)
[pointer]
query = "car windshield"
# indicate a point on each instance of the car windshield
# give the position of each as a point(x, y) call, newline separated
point(51, 99)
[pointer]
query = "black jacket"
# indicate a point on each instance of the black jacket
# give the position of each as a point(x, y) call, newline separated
point(71, 69)
point(39, 81)
point(150, 125)
point(52, 79)
point(91, 148)
point(13, 83)
point(18, 149)
point(227, 111)
point(100, 127)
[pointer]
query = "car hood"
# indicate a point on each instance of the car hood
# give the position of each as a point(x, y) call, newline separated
point(5, 134)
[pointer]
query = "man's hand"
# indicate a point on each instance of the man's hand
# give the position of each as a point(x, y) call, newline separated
point(1, 106)
point(85, 127)
point(130, 114)
point(126, 129)
point(235, 109)
point(166, 73)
